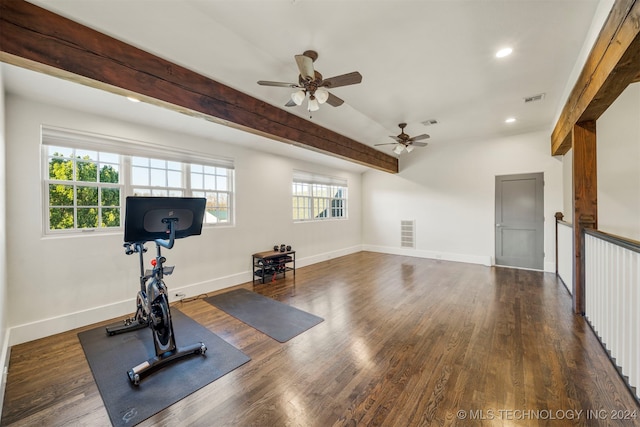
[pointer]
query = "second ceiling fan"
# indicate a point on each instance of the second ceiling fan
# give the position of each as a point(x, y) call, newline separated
point(312, 85)
point(406, 142)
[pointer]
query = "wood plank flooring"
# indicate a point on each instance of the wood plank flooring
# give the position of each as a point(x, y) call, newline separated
point(405, 342)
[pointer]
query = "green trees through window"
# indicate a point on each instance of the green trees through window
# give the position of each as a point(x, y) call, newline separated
point(84, 189)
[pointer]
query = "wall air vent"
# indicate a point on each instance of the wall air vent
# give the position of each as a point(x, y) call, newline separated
point(408, 233)
point(534, 98)
point(430, 122)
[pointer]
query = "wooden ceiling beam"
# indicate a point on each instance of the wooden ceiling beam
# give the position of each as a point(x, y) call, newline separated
point(613, 64)
point(34, 38)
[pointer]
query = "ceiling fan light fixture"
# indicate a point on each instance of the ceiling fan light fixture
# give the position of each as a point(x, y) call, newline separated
point(410, 148)
point(504, 52)
point(298, 97)
point(313, 104)
point(398, 149)
point(321, 95)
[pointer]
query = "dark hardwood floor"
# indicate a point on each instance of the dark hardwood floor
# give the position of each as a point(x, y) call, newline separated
point(405, 342)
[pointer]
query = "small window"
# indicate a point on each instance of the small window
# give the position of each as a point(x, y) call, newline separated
point(317, 197)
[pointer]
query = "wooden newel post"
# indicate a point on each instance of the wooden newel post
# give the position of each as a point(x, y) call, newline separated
point(585, 201)
point(587, 221)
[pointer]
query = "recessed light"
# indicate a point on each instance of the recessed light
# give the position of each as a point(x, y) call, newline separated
point(504, 52)
point(132, 99)
point(510, 120)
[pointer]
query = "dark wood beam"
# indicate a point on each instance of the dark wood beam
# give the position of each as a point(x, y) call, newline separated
point(35, 38)
point(614, 63)
point(585, 201)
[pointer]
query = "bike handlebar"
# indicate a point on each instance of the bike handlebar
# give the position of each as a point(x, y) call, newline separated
point(172, 233)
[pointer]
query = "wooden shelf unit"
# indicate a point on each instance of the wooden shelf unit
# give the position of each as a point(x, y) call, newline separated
point(271, 264)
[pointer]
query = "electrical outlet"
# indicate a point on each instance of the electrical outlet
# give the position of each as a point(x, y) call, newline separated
point(179, 295)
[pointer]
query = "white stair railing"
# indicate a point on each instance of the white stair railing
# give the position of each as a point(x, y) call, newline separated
point(565, 258)
point(612, 299)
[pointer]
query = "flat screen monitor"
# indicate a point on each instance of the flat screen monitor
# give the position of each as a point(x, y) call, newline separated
point(145, 217)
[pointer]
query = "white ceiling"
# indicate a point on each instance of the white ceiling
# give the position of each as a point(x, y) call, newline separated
point(419, 60)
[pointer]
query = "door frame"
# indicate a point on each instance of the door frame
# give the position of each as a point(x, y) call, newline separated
point(537, 261)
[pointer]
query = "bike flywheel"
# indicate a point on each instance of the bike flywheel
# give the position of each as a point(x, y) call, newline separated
point(161, 322)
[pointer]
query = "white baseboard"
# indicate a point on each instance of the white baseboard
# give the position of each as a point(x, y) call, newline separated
point(471, 259)
point(45, 327)
point(550, 266)
point(303, 262)
point(488, 261)
point(54, 325)
point(207, 286)
point(567, 286)
point(4, 364)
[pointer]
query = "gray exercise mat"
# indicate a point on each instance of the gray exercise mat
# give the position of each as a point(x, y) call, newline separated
point(280, 321)
point(110, 357)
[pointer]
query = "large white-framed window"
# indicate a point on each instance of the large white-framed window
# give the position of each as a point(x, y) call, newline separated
point(318, 197)
point(87, 177)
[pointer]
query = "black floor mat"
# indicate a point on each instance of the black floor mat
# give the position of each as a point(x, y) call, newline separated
point(280, 321)
point(110, 357)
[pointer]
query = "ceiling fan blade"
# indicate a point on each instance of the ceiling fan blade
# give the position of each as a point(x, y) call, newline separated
point(334, 100)
point(419, 144)
point(397, 139)
point(290, 103)
point(279, 84)
point(386, 143)
point(305, 65)
point(420, 137)
point(343, 80)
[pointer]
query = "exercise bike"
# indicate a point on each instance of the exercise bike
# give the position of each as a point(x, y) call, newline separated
point(161, 220)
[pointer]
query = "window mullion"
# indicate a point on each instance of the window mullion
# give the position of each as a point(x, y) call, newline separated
point(126, 183)
point(186, 179)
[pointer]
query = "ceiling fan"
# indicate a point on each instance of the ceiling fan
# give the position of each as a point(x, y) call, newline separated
point(312, 85)
point(406, 142)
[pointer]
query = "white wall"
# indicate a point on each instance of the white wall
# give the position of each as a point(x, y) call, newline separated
point(618, 163)
point(59, 283)
point(4, 344)
point(448, 189)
